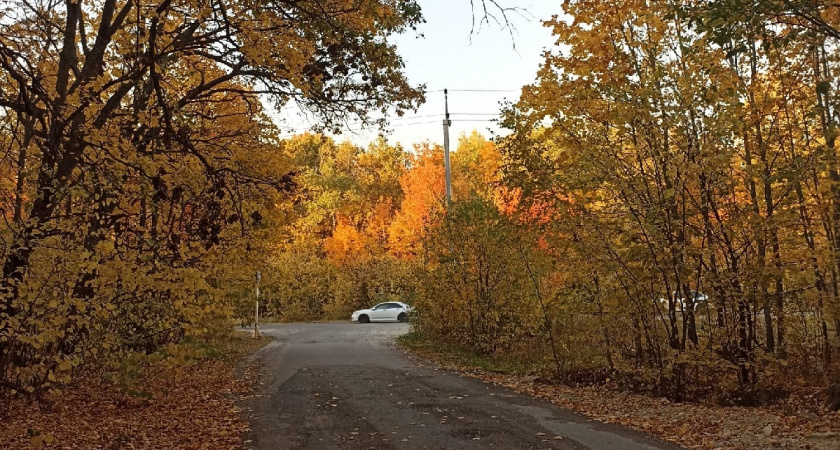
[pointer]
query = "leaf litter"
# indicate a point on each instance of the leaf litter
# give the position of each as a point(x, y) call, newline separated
point(189, 407)
point(800, 422)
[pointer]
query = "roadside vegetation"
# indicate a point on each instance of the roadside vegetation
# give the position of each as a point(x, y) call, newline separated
point(796, 421)
point(142, 181)
point(663, 218)
point(179, 397)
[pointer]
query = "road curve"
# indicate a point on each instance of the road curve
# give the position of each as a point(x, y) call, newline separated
point(345, 386)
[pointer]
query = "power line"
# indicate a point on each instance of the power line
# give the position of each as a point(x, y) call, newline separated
point(415, 123)
point(484, 90)
point(353, 130)
point(358, 122)
point(354, 126)
point(416, 117)
point(474, 90)
point(423, 116)
point(431, 121)
point(394, 125)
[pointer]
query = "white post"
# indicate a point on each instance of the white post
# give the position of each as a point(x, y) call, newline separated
point(257, 309)
point(447, 169)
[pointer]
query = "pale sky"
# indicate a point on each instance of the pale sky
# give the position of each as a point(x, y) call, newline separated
point(449, 57)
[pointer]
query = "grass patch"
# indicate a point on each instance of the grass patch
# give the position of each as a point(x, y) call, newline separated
point(463, 358)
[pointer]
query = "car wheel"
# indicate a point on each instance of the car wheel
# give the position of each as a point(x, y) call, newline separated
point(403, 317)
point(364, 319)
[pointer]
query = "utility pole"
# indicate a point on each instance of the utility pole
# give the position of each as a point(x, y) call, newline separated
point(446, 124)
point(257, 308)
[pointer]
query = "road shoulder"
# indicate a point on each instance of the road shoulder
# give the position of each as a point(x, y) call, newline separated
point(686, 424)
point(172, 405)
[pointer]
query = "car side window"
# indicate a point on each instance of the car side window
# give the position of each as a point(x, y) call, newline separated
point(380, 307)
point(394, 306)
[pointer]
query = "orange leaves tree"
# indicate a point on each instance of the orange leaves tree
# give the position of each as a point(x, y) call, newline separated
point(424, 188)
point(335, 258)
point(362, 221)
point(683, 164)
point(139, 152)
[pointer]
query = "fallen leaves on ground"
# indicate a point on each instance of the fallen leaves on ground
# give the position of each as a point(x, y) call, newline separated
point(192, 407)
point(797, 423)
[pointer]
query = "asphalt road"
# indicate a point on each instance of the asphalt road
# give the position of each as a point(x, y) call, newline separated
point(346, 386)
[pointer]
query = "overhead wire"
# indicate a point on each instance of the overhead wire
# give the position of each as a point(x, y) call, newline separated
point(401, 121)
point(427, 122)
point(472, 90)
point(422, 116)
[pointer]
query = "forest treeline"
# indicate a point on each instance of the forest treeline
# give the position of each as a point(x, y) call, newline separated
point(140, 169)
point(684, 157)
point(664, 214)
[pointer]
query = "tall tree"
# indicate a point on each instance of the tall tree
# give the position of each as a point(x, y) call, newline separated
point(137, 127)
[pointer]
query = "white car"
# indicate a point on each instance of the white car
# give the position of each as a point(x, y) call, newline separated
point(682, 303)
point(383, 312)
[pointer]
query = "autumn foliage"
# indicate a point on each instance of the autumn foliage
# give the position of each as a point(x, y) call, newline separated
point(141, 182)
point(663, 217)
point(687, 153)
